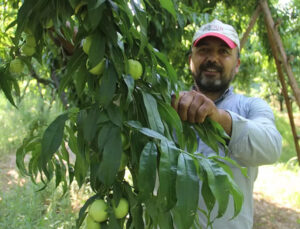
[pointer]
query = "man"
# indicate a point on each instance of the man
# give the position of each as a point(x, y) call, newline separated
point(214, 61)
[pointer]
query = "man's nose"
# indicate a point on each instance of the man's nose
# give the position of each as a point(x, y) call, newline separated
point(212, 57)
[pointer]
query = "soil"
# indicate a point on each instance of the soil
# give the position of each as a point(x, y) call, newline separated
point(268, 213)
point(271, 215)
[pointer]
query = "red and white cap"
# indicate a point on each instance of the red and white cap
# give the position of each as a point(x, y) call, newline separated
point(218, 29)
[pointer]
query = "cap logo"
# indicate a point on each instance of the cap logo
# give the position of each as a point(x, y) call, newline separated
point(213, 27)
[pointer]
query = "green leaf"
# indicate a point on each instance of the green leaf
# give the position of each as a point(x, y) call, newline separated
point(79, 147)
point(72, 66)
point(97, 49)
point(167, 174)
point(115, 115)
point(103, 136)
point(80, 79)
point(24, 14)
point(169, 6)
point(117, 58)
point(187, 192)
point(136, 209)
point(95, 12)
point(6, 86)
point(221, 161)
point(152, 113)
point(52, 139)
point(147, 170)
point(146, 131)
point(206, 136)
point(130, 86)
point(190, 138)
point(111, 156)
point(27, 146)
point(165, 220)
point(108, 86)
point(208, 196)
point(237, 195)
point(141, 17)
point(89, 124)
point(151, 211)
point(218, 183)
point(164, 60)
point(170, 116)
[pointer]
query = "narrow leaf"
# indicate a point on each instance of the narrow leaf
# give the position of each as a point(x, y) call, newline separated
point(167, 174)
point(52, 138)
point(97, 49)
point(114, 114)
point(146, 131)
point(95, 12)
point(169, 6)
point(108, 86)
point(6, 86)
point(111, 157)
point(170, 116)
point(152, 113)
point(218, 183)
point(187, 192)
point(147, 170)
point(89, 124)
point(164, 60)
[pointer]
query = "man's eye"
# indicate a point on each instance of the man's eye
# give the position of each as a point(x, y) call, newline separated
point(224, 51)
point(202, 49)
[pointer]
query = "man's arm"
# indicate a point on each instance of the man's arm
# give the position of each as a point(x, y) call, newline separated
point(255, 140)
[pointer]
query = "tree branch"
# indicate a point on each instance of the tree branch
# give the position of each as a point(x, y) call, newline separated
point(280, 52)
point(251, 24)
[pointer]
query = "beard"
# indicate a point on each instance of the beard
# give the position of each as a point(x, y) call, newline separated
point(211, 83)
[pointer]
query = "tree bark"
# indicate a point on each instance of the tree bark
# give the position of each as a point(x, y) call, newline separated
point(279, 46)
point(276, 55)
point(251, 24)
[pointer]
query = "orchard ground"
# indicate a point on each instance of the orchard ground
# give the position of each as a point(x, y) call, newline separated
point(276, 193)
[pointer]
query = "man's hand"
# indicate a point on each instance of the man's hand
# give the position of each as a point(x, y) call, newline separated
point(194, 107)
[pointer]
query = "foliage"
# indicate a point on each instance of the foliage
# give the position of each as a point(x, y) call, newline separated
point(98, 109)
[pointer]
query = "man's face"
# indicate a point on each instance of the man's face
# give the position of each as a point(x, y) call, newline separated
point(213, 64)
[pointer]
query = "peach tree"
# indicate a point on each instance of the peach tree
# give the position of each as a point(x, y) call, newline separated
point(118, 132)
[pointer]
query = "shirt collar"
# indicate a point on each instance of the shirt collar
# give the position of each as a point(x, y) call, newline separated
point(226, 93)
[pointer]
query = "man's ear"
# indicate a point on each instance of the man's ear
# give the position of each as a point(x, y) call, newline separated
point(191, 64)
point(237, 67)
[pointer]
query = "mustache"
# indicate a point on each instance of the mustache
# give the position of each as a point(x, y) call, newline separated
point(210, 65)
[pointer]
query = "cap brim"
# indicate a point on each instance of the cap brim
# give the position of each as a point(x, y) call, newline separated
point(229, 42)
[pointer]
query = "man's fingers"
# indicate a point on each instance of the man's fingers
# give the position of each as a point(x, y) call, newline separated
point(184, 103)
point(192, 111)
point(202, 113)
point(174, 102)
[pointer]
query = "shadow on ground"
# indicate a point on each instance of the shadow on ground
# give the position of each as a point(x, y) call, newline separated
point(270, 215)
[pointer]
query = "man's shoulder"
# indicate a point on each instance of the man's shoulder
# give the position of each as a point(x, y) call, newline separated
point(248, 99)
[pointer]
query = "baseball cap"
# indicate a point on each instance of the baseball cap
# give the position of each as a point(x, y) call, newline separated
point(218, 29)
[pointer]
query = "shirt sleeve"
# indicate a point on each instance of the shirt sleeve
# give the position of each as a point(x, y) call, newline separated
point(255, 140)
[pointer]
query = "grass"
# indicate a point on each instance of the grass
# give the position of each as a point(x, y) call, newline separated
point(24, 207)
point(288, 146)
point(17, 122)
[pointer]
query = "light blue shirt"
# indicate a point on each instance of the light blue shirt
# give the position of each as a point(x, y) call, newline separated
point(254, 141)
